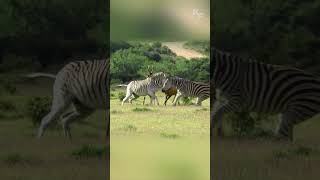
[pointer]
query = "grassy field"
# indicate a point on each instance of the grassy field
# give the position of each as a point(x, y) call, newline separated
point(266, 158)
point(53, 157)
point(158, 142)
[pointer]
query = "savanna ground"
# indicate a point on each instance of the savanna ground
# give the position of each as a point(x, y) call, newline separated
point(265, 158)
point(159, 142)
point(53, 157)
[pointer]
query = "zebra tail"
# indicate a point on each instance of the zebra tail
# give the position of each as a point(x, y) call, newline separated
point(35, 75)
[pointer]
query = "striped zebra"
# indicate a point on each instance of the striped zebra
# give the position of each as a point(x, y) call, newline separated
point(246, 85)
point(148, 86)
point(187, 88)
point(81, 84)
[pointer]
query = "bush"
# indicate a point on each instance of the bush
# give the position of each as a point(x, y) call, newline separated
point(141, 109)
point(186, 101)
point(130, 128)
point(12, 62)
point(6, 106)
point(89, 151)
point(9, 87)
point(121, 96)
point(15, 159)
point(169, 135)
point(37, 108)
point(242, 123)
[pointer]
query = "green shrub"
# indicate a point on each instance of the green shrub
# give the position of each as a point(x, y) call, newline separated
point(89, 151)
point(169, 135)
point(292, 152)
point(186, 101)
point(130, 128)
point(9, 87)
point(121, 96)
point(6, 106)
point(14, 159)
point(242, 123)
point(37, 108)
point(137, 109)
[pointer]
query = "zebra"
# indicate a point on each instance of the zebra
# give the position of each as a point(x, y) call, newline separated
point(148, 86)
point(187, 88)
point(81, 84)
point(247, 85)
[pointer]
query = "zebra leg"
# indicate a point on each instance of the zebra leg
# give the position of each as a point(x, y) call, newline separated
point(199, 101)
point(129, 94)
point(219, 109)
point(78, 113)
point(59, 105)
point(176, 99)
point(156, 99)
point(134, 97)
point(144, 99)
point(286, 125)
point(152, 97)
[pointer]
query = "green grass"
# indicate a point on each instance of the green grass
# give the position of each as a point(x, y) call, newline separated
point(151, 142)
point(89, 151)
point(266, 158)
point(22, 156)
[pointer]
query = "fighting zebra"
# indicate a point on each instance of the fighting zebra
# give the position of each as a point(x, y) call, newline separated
point(187, 88)
point(148, 86)
point(247, 85)
point(81, 84)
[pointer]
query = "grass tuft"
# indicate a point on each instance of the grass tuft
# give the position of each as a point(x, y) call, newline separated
point(169, 135)
point(14, 159)
point(89, 151)
point(130, 128)
point(293, 152)
point(141, 109)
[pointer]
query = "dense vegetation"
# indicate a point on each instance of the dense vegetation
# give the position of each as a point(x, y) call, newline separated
point(131, 61)
point(44, 32)
point(198, 45)
point(279, 32)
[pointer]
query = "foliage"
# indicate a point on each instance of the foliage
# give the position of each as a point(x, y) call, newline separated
point(37, 108)
point(15, 158)
point(278, 32)
point(169, 135)
point(89, 151)
point(137, 109)
point(130, 128)
point(132, 63)
point(51, 31)
point(121, 95)
point(198, 45)
point(6, 106)
point(186, 101)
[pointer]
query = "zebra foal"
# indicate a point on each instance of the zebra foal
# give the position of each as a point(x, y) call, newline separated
point(81, 84)
point(148, 86)
point(246, 85)
point(187, 88)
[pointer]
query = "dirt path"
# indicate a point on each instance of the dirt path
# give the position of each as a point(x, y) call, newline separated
point(177, 47)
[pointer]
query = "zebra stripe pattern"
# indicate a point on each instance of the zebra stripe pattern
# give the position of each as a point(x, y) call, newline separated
point(148, 86)
point(187, 88)
point(246, 85)
point(81, 84)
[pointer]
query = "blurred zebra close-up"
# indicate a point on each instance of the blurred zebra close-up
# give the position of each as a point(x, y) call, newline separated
point(80, 84)
point(247, 85)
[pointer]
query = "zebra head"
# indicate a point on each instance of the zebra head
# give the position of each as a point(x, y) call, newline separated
point(167, 84)
point(158, 78)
